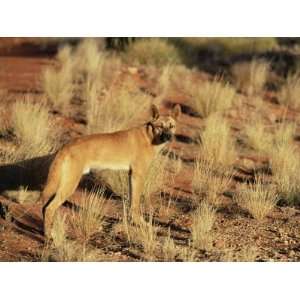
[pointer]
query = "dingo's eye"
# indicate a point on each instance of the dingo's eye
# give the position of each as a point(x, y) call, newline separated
point(171, 126)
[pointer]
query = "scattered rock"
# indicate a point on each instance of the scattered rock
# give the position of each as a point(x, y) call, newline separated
point(133, 70)
point(291, 253)
point(248, 163)
point(220, 244)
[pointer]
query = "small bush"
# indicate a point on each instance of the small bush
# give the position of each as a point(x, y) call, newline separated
point(211, 97)
point(258, 198)
point(152, 51)
point(289, 93)
point(251, 77)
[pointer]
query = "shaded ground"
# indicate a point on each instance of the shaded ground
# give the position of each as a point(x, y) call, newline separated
point(277, 237)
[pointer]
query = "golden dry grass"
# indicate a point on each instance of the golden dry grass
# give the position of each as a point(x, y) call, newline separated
point(152, 51)
point(156, 175)
point(23, 195)
point(90, 217)
point(59, 248)
point(212, 96)
point(187, 254)
point(285, 164)
point(4, 122)
point(284, 134)
point(247, 254)
point(258, 137)
point(261, 139)
point(34, 130)
point(163, 83)
point(284, 160)
point(208, 183)
point(258, 198)
point(62, 249)
point(251, 77)
point(169, 249)
point(289, 93)
point(88, 59)
point(64, 55)
point(217, 145)
point(145, 233)
point(118, 110)
point(58, 85)
point(203, 221)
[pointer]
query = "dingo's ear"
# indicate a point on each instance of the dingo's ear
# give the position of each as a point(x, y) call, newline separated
point(176, 111)
point(154, 112)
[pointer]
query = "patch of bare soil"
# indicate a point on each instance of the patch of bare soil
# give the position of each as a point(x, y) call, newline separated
point(275, 238)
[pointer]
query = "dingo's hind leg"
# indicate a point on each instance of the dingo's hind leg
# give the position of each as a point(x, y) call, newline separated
point(69, 180)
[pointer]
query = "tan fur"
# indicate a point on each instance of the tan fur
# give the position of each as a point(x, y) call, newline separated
point(132, 150)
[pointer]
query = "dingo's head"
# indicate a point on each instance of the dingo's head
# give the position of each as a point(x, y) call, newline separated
point(161, 129)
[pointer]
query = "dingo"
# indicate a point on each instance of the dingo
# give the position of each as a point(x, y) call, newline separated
point(132, 150)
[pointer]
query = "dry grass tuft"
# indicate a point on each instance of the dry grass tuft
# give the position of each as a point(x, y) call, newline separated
point(59, 249)
point(156, 175)
point(64, 55)
point(145, 233)
point(217, 145)
point(34, 130)
point(285, 164)
point(187, 254)
point(251, 77)
point(152, 51)
point(208, 183)
point(258, 198)
point(89, 219)
point(58, 86)
point(23, 195)
point(203, 222)
point(169, 250)
point(117, 181)
point(262, 140)
point(247, 254)
point(88, 58)
point(211, 97)
point(163, 83)
point(118, 110)
point(289, 93)
point(62, 249)
point(178, 73)
point(284, 134)
point(258, 138)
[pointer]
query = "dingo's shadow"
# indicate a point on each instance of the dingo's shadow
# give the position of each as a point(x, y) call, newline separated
point(32, 174)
